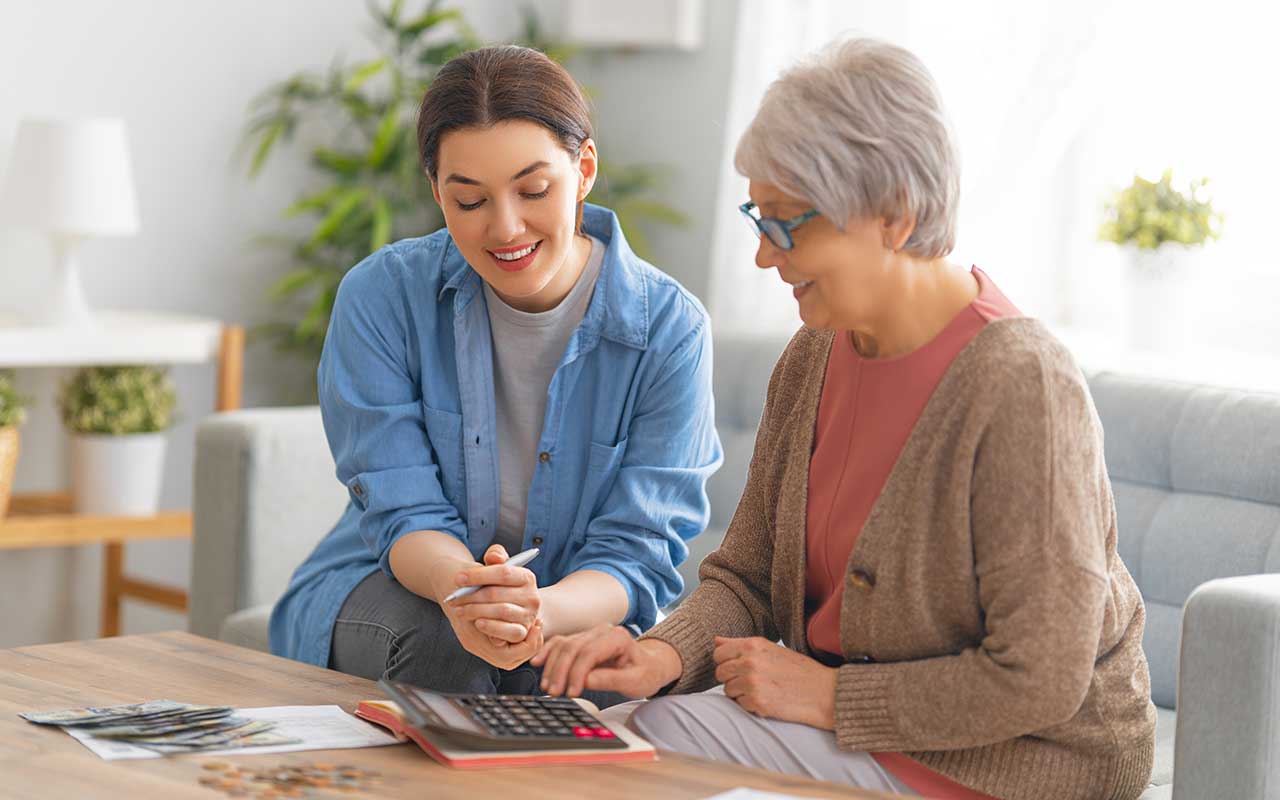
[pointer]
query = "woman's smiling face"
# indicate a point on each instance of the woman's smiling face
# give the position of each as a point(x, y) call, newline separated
point(842, 279)
point(510, 194)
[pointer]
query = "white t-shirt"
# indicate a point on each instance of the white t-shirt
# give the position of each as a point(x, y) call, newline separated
point(527, 348)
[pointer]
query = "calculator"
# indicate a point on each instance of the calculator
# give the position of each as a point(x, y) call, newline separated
point(503, 721)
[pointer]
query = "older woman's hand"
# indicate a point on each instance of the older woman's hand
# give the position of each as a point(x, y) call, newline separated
point(773, 681)
point(606, 658)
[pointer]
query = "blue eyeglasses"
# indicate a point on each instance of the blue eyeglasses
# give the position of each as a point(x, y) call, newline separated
point(778, 230)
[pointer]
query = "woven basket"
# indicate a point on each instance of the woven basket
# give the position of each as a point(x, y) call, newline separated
point(8, 464)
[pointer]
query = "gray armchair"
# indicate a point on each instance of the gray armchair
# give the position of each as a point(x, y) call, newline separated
point(1196, 473)
point(265, 494)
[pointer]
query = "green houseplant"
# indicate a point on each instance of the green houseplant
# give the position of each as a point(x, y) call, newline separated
point(118, 417)
point(1162, 229)
point(1149, 214)
point(13, 412)
point(370, 188)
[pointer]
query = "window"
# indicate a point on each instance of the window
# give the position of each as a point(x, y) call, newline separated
point(1055, 106)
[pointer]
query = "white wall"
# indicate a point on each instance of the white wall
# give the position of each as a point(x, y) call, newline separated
point(668, 107)
point(181, 75)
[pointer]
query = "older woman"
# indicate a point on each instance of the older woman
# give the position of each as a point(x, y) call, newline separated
point(927, 523)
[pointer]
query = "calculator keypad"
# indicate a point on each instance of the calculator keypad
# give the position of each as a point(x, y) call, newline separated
point(516, 716)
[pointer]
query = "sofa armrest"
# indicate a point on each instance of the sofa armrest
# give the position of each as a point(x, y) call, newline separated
point(265, 494)
point(1228, 731)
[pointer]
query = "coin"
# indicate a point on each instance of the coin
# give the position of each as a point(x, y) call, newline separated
point(286, 779)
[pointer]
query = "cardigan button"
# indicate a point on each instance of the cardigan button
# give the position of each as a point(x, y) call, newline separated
point(544, 457)
point(862, 581)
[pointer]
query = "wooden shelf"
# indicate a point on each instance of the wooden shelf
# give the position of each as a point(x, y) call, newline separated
point(115, 337)
point(111, 337)
point(47, 520)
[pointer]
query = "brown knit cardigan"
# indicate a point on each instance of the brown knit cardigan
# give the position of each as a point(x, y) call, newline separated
point(989, 628)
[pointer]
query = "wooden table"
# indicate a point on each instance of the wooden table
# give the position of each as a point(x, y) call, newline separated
point(115, 337)
point(40, 762)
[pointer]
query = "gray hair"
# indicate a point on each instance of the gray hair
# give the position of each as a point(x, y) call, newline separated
point(858, 129)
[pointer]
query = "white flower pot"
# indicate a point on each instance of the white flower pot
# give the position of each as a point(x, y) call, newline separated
point(117, 475)
point(1158, 317)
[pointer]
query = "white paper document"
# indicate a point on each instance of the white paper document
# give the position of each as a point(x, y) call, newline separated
point(318, 728)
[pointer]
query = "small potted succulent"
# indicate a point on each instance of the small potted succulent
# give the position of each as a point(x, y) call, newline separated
point(1163, 229)
point(117, 417)
point(13, 412)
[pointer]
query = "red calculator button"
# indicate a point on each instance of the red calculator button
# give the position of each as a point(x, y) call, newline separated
point(604, 733)
point(582, 733)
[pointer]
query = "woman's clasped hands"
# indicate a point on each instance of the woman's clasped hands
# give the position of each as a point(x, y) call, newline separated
point(501, 622)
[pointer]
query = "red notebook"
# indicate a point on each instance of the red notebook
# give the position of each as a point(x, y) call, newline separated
point(388, 715)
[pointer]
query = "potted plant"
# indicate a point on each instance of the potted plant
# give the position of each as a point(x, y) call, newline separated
point(1163, 229)
point(13, 412)
point(118, 417)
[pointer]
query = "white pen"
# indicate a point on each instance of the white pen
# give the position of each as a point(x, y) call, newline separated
point(518, 560)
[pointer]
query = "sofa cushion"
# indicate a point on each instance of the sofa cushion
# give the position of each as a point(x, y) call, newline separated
point(699, 547)
point(741, 378)
point(265, 494)
point(1166, 724)
point(248, 628)
point(1158, 793)
point(741, 381)
point(1197, 493)
point(724, 489)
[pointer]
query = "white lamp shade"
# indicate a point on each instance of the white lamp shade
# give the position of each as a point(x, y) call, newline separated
point(71, 177)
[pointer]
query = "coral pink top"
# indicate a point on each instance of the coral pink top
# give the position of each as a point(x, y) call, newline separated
point(867, 411)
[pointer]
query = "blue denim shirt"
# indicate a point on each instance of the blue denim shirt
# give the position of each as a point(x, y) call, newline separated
point(406, 393)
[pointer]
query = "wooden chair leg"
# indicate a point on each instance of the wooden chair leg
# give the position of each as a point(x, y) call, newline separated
point(231, 368)
point(112, 578)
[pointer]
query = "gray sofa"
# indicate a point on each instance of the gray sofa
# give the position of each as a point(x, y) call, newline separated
point(1196, 473)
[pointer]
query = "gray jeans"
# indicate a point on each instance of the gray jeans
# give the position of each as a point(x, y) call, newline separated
point(386, 631)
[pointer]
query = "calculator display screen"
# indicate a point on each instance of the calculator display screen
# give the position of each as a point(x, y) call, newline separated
point(510, 722)
point(449, 714)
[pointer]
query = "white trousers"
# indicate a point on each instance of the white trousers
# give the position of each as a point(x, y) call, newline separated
point(714, 727)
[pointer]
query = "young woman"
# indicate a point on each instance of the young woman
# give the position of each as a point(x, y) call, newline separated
point(520, 379)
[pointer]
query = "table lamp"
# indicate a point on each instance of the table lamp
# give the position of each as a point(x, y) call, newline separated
point(71, 179)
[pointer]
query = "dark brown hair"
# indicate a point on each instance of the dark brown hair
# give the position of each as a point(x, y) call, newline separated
point(483, 87)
